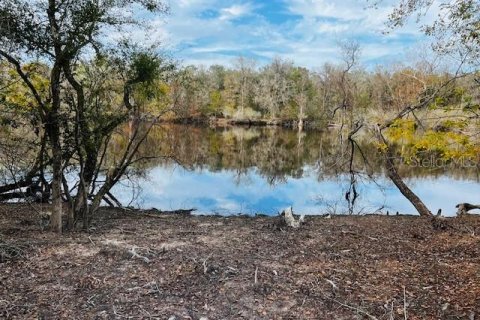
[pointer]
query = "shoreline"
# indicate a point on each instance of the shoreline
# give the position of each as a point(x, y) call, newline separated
point(227, 122)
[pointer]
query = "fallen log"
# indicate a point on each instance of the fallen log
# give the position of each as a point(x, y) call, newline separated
point(154, 212)
point(12, 196)
point(33, 193)
point(463, 208)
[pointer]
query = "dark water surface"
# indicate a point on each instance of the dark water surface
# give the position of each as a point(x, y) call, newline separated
point(264, 170)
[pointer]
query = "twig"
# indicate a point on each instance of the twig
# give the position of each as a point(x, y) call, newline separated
point(303, 302)
point(6, 302)
point(334, 286)
point(355, 309)
point(10, 251)
point(256, 275)
point(136, 255)
point(392, 317)
point(205, 269)
point(117, 313)
point(89, 300)
point(405, 303)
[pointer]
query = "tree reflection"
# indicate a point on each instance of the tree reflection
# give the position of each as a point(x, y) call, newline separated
point(275, 153)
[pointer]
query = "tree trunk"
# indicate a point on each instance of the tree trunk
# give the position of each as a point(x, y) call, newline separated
point(404, 189)
point(302, 101)
point(57, 202)
point(53, 130)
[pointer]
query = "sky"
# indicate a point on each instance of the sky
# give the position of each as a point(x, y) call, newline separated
point(307, 32)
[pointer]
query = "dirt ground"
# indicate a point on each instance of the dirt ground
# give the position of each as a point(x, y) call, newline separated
point(146, 265)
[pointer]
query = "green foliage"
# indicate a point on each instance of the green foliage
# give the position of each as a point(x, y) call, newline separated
point(216, 103)
point(144, 68)
point(16, 94)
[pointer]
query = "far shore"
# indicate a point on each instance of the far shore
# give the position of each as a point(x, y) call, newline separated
point(251, 122)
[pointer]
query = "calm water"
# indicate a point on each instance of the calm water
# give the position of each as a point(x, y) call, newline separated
point(264, 170)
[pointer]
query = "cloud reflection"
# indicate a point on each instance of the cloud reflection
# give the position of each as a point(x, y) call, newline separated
point(168, 187)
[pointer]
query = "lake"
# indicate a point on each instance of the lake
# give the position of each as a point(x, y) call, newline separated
point(263, 170)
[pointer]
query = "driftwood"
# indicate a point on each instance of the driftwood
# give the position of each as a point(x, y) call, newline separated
point(463, 208)
point(290, 220)
point(155, 212)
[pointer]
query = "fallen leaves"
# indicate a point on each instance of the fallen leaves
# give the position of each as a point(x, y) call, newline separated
point(189, 267)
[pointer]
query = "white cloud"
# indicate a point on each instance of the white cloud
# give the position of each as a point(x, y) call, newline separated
point(345, 10)
point(170, 189)
point(191, 4)
point(213, 31)
point(327, 27)
point(235, 11)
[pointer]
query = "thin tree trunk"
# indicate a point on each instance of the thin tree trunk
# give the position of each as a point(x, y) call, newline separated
point(300, 117)
point(57, 202)
point(402, 187)
point(53, 123)
point(57, 174)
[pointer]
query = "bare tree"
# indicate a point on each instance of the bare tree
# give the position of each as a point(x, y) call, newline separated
point(245, 69)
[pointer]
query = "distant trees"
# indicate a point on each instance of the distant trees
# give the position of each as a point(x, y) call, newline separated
point(278, 90)
point(274, 87)
point(303, 94)
point(243, 86)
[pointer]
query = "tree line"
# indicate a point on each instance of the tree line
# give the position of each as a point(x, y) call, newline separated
point(281, 90)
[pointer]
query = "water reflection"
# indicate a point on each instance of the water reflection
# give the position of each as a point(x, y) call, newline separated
point(263, 170)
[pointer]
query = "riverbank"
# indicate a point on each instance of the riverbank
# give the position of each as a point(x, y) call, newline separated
point(254, 122)
point(146, 265)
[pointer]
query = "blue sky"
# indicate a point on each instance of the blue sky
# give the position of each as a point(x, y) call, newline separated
point(305, 31)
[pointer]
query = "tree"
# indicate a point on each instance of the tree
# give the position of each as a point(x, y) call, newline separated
point(302, 93)
point(62, 33)
point(456, 29)
point(274, 89)
point(350, 52)
point(245, 69)
point(217, 85)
